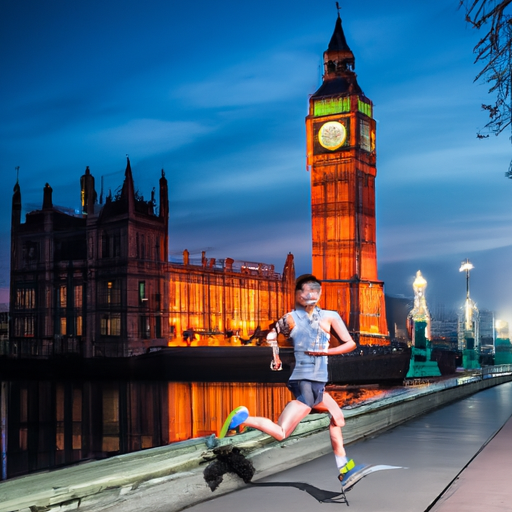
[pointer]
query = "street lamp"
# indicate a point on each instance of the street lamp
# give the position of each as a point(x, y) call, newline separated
point(466, 266)
point(469, 337)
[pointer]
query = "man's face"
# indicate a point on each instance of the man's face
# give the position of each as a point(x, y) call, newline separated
point(308, 296)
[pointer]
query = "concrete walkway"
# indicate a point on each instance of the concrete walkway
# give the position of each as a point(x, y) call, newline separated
point(170, 478)
point(485, 483)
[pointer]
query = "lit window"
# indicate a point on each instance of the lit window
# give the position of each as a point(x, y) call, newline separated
point(78, 328)
point(25, 298)
point(63, 292)
point(113, 293)
point(63, 326)
point(78, 296)
point(110, 325)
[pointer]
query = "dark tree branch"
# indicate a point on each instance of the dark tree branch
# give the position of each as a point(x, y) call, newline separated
point(494, 52)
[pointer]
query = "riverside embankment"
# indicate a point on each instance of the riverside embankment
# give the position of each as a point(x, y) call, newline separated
point(175, 472)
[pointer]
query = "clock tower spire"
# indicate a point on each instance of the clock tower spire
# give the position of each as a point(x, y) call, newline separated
point(341, 156)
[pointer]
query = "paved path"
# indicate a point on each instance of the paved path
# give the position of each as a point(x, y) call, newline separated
point(464, 449)
point(485, 483)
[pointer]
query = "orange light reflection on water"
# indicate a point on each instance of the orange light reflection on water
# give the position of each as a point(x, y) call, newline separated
point(354, 395)
point(199, 409)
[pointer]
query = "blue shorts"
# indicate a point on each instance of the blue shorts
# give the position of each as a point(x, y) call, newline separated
point(308, 392)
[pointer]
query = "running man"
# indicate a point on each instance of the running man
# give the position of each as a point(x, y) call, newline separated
point(308, 328)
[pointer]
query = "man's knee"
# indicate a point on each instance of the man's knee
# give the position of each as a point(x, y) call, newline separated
point(338, 420)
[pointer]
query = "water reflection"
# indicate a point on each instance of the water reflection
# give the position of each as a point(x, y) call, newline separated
point(48, 424)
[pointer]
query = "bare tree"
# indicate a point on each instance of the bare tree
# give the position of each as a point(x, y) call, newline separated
point(494, 51)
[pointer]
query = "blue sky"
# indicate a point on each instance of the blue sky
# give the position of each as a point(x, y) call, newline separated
point(216, 93)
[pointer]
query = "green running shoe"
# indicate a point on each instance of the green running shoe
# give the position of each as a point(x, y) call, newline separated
point(235, 418)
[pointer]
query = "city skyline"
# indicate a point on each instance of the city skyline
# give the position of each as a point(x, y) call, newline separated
point(217, 96)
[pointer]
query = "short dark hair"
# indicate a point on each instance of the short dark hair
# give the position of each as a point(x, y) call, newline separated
point(305, 278)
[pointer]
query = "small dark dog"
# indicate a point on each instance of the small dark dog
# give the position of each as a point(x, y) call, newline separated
point(229, 460)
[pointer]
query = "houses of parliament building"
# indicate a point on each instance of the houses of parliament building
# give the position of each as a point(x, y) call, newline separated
point(99, 282)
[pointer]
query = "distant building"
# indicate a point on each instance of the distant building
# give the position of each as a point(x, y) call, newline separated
point(487, 332)
point(444, 329)
point(98, 282)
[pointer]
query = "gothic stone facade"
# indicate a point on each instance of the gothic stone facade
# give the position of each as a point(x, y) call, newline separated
point(99, 282)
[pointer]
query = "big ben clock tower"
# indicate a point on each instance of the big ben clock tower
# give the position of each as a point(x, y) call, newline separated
point(341, 157)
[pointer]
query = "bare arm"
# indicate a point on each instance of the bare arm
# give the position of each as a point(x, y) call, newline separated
point(347, 343)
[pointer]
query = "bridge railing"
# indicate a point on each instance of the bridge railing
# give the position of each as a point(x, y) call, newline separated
point(490, 371)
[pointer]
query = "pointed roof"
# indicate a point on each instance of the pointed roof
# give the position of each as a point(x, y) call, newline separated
point(338, 42)
point(16, 196)
point(128, 170)
point(338, 57)
point(17, 190)
point(16, 205)
point(128, 190)
point(339, 78)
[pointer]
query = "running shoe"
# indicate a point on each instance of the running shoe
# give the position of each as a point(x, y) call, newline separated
point(235, 418)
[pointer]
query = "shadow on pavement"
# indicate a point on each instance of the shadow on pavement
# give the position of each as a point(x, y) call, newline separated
point(321, 495)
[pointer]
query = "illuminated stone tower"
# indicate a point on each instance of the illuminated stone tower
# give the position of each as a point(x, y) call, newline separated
point(342, 160)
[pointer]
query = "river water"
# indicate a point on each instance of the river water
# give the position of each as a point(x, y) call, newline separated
point(52, 423)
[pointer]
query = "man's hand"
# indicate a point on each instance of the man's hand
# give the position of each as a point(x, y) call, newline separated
point(309, 353)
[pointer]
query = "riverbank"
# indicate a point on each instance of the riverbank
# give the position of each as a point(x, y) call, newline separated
point(176, 471)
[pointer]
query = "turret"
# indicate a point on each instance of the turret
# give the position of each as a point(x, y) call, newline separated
point(164, 198)
point(16, 205)
point(88, 192)
point(128, 190)
point(47, 197)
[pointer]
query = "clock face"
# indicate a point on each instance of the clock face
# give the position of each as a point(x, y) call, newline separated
point(332, 135)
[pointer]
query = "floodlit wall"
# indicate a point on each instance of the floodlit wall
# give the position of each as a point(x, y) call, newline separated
point(217, 303)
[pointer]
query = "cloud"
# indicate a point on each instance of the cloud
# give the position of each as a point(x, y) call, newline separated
point(433, 230)
point(405, 244)
point(450, 161)
point(144, 137)
point(264, 78)
point(259, 169)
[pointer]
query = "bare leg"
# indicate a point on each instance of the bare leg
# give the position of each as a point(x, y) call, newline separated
point(336, 440)
point(328, 404)
point(291, 416)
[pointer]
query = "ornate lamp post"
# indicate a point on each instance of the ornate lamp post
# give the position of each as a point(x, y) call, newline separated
point(469, 325)
point(419, 321)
